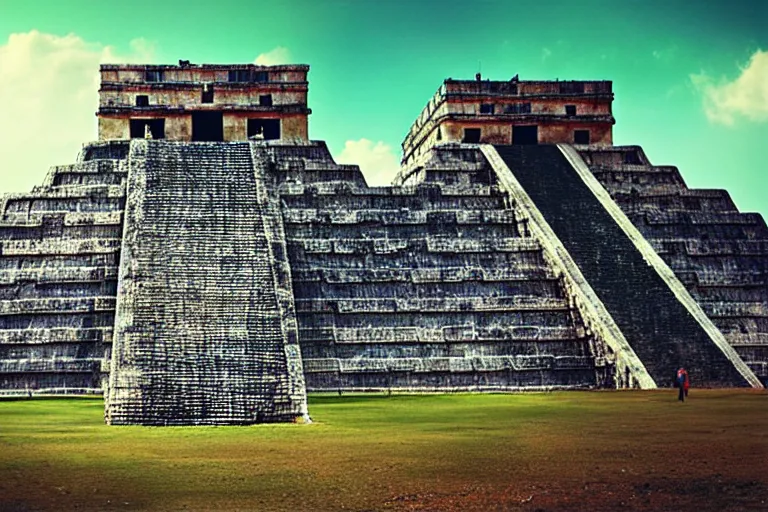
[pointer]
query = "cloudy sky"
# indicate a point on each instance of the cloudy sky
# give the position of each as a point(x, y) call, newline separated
point(691, 82)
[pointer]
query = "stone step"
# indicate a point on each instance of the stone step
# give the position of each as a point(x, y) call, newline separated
point(704, 218)
point(60, 275)
point(56, 305)
point(388, 217)
point(55, 335)
point(56, 261)
point(694, 247)
point(443, 335)
point(61, 351)
point(57, 365)
point(59, 247)
point(501, 243)
point(434, 305)
point(735, 309)
point(448, 364)
point(449, 274)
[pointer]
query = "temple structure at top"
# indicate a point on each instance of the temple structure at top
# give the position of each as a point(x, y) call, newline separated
point(513, 112)
point(190, 102)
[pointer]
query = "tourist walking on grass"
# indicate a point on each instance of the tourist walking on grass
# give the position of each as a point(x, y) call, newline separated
point(682, 383)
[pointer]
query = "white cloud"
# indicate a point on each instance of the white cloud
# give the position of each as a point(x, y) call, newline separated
point(279, 55)
point(49, 90)
point(746, 96)
point(377, 161)
point(545, 54)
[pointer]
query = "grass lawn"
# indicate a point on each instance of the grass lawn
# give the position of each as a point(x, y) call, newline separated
point(629, 450)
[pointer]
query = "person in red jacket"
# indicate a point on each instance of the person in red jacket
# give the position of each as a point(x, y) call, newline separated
point(682, 383)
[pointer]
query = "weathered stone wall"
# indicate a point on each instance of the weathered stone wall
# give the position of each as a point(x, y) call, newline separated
point(60, 247)
point(136, 73)
point(718, 253)
point(189, 95)
point(657, 325)
point(433, 285)
point(174, 93)
point(427, 287)
point(179, 126)
point(458, 104)
point(205, 330)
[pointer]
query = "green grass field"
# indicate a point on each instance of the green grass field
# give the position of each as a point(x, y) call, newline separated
point(627, 450)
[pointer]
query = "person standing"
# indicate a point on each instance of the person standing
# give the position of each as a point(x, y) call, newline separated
point(682, 383)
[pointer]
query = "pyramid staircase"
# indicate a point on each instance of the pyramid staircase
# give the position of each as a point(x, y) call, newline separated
point(59, 252)
point(718, 253)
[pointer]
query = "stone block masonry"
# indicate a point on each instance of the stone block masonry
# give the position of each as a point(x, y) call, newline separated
point(719, 254)
point(59, 252)
point(237, 255)
point(205, 330)
point(663, 333)
point(429, 287)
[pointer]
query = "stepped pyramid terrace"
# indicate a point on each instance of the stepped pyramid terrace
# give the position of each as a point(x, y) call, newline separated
point(203, 262)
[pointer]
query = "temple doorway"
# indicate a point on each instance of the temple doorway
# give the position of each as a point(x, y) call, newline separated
point(207, 126)
point(525, 134)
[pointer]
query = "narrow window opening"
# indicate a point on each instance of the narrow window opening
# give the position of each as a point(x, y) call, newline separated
point(268, 129)
point(207, 93)
point(239, 75)
point(261, 76)
point(265, 100)
point(142, 100)
point(154, 75)
point(518, 108)
point(581, 137)
point(471, 135)
point(439, 134)
point(141, 128)
point(570, 110)
point(486, 108)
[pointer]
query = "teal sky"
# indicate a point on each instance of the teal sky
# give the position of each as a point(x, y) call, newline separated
point(374, 64)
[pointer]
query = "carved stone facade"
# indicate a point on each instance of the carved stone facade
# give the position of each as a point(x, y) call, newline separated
point(244, 272)
point(513, 112)
point(205, 102)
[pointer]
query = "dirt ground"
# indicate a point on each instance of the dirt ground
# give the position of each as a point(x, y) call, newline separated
point(591, 451)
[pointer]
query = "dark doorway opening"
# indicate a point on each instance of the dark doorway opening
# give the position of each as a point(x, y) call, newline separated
point(471, 135)
point(207, 94)
point(632, 158)
point(207, 126)
point(269, 129)
point(156, 127)
point(581, 137)
point(487, 108)
point(525, 134)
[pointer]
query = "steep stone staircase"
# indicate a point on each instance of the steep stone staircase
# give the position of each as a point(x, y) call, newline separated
point(660, 329)
point(718, 253)
point(201, 335)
